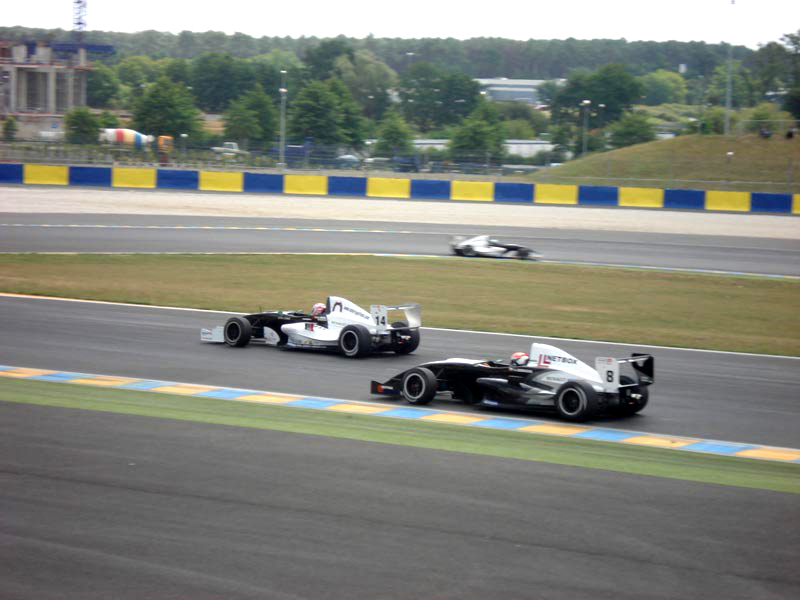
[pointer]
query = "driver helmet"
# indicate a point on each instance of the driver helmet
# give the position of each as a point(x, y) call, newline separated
point(519, 359)
point(318, 309)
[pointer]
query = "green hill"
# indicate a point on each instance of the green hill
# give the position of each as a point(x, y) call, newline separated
point(706, 162)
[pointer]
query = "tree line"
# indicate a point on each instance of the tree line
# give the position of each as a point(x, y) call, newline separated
point(476, 57)
point(340, 93)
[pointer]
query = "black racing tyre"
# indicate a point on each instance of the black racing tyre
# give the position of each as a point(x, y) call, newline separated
point(628, 404)
point(238, 332)
point(409, 345)
point(419, 386)
point(468, 251)
point(576, 401)
point(355, 341)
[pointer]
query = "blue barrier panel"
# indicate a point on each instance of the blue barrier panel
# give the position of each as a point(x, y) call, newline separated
point(776, 203)
point(174, 179)
point(685, 199)
point(513, 192)
point(90, 176)
point(597, 195)
point(347, 186)
point(430, 188)
point(11, 174)
point(263, 182)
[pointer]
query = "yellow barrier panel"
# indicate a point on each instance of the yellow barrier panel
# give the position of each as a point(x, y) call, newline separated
point(474, 191)
point(214, 181)
point(548, 193)
point(796, 204)
point(381, 187)
point(728, 201)
point(641, 197)
point(305, 184)
point(46, 175)
point(133, 178)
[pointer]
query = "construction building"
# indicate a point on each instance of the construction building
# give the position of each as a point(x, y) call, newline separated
point(42, 78)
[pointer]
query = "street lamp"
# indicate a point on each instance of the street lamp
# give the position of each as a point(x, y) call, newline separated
point(283, 91)
point(585, 106)
point(728, 78)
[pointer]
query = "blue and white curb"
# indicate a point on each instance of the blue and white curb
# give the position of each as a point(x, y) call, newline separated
point(582, 432)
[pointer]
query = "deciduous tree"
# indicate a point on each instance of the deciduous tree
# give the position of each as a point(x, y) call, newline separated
point(315, 114)
point(102, 86)
point(166, 108)
point(632, 128)
point(394, 136)
point(81, 126)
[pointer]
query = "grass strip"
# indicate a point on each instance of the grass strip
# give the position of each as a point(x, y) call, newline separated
point(672, 464)
point(739, 314)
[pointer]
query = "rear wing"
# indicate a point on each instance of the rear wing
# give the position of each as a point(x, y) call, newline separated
point(413, 314)
point(608, 370)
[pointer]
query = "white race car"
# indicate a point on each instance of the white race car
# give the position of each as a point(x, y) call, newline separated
point(486, 246)
point(338, 325)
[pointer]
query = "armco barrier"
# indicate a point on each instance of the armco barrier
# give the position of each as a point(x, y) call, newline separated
point(416, 189)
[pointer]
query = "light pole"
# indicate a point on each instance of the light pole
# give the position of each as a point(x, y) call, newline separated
point(728, 78)
point(585, 105)
point(283, 91)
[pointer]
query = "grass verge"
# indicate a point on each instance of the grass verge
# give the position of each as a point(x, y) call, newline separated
point(654, 462)
point(705, 162)
point(740, 314)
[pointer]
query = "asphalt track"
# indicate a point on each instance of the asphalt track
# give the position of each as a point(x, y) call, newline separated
point(722, 396)
point(96, 505)
point(170, 233)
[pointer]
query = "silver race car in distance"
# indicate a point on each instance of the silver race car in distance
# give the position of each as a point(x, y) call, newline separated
point(486, 246)
point(338, 325)
point(548, 378)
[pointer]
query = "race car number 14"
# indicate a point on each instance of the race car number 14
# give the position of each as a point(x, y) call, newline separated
point(379, 315)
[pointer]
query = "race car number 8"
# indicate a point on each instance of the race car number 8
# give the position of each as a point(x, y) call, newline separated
point(610, 376)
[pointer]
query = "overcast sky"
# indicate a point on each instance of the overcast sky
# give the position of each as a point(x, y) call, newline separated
point(747, 22)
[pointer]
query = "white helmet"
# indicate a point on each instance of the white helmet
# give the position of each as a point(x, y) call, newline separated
point(318, 309)
point(519, 359)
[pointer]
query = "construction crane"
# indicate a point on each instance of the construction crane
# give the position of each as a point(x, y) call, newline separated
point(78, 20)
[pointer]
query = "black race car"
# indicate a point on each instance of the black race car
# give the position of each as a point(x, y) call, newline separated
point(548, 378)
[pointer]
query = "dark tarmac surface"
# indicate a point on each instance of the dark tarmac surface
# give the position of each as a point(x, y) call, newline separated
point(723, 396)
point(165, 233)
point(98, 505)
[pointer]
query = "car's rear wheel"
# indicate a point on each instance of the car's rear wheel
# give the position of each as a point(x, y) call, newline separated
point(468, 251)
point(419, 386)
point(238, 332)
point(576, 401)
point(632, 399)
point(405, 346)
point(355, 341)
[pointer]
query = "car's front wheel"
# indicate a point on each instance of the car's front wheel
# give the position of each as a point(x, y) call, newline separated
point(419, 386)
point(576, 401)
point(355, 341)
point(238, 332)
